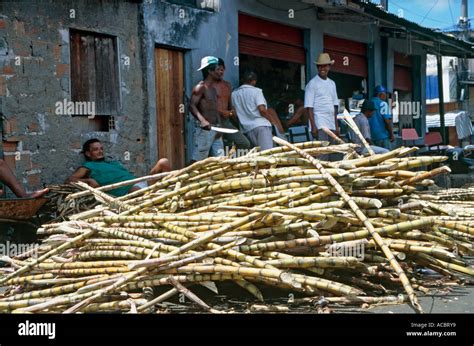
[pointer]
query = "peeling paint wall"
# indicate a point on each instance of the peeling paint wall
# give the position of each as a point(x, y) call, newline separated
point(43, 147)
point(198, 33)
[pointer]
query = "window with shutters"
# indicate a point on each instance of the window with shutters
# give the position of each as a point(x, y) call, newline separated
point(94, 71)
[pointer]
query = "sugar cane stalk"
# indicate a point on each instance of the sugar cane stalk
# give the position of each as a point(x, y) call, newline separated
point(388, 253)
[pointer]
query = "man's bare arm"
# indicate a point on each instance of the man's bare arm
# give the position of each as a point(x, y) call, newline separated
point(300, 112)
point(264, 113)
point(82, 174)
point(310, 114)
point(336, 109)
point(196, 97)
point(388, 126)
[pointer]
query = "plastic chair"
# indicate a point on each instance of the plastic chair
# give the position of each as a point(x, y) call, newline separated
point(433, 139)
point(299, 134)
point(409, 135)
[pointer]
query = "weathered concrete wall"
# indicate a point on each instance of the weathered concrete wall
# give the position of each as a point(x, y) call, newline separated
point(197, 32)
point(35, 74)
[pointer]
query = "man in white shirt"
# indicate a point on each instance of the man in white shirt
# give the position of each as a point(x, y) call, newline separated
point(251, 108)
point(321, 101)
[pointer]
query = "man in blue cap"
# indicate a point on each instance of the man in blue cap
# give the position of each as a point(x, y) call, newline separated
point(362, 122)
point(203, 106)
point(381, 121)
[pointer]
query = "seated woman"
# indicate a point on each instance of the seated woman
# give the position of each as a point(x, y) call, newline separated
point(7, 178)
point(98, 171)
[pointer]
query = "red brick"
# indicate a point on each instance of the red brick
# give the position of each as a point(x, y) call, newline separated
point(57, 52)
point(17, 138)
point(9, 127)
point(25, 160)
point(36, 166)
point(19, 27)
point(21, 49)
point(76, 145)
point(10, 161)
point(8, 70)
point(9, 147)
point(34, 181)
point(61, 69)
point(33, 127)
point(3, 86)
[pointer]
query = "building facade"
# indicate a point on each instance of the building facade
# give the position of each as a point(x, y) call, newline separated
point(137, 61)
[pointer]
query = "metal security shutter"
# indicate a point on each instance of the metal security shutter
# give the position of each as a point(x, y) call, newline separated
point(258, 37)
point(350, 56)
point(402, 72)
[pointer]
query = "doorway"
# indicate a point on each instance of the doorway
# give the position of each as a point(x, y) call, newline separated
point(170, 112)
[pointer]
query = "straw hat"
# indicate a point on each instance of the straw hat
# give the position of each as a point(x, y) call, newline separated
point(324, 59)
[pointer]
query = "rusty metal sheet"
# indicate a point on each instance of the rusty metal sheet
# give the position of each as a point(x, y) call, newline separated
point(20, 208)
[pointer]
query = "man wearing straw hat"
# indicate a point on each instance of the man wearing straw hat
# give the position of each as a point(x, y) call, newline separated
point(321, 101)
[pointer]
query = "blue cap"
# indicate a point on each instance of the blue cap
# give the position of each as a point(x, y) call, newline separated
point(380, 89)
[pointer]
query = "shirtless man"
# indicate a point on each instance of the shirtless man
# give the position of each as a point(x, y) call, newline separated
point(203, 107)
point(226, 111)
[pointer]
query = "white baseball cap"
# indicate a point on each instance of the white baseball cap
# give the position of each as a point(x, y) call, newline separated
point(208, 60)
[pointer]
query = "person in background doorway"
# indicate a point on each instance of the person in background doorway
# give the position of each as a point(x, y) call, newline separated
point(321, 101)
point(203, 106)
point(381, 121)
point(300, 116)
point(252, 112)
point(362, 122)
point(226, 111)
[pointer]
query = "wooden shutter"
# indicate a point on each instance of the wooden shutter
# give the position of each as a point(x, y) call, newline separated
point(94, 71)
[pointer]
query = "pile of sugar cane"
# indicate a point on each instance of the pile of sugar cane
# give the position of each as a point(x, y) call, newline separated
point(355, 230)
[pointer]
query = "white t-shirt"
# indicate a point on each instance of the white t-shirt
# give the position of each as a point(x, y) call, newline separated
point(321, 95)
point(246, 100)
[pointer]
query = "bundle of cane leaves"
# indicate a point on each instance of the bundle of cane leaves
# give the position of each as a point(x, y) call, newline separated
point(60, 208)
point(362, 229)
